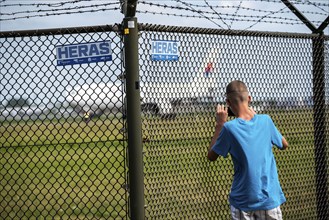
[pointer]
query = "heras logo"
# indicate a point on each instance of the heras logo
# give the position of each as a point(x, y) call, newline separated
point(83, 53)
point(164, 50)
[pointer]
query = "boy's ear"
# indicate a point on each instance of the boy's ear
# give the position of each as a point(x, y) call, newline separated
point(249, 99)
point(228, 102)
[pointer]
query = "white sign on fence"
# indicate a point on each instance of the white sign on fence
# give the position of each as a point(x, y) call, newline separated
point(164, 50)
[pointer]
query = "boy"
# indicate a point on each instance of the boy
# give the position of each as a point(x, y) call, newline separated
point(256, 192)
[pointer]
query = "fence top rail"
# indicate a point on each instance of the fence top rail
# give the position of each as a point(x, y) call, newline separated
point(178, 29)
point(156, 28)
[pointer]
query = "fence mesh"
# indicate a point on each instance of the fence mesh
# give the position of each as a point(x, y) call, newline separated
point(179, 181)
point(62, 150)
point(62, 143)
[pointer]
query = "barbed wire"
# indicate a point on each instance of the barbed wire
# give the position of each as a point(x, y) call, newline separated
point(307, 2)
point(57, 4)
point(201, 6)
point(312, 3)
point(53, 10)
point(218, 14)
point(296, 2)
point(203, 12)
point(195, 9)
point(235, 13)
point(230, 7)
point(192, 7)
point(297, 22)
point(60, 13)
point(263, 17)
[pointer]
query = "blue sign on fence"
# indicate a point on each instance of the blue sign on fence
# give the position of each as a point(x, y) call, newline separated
point(83, 53)
point(164, 50)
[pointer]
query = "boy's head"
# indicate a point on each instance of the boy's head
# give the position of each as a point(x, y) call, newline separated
point(237, 93)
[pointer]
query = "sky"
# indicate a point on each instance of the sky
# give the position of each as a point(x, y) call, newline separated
point(260, 15)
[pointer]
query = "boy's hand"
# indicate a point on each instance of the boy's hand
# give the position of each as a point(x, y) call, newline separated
point(221, 114)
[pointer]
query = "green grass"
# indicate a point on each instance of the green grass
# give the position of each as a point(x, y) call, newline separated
point(62, 131)
point(63, 181)
point(73, 170)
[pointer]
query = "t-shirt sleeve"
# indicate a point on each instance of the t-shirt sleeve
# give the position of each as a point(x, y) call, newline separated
point(222, 145)
point(276, 136)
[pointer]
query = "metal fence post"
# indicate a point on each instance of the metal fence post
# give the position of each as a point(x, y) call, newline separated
point(320, 127)
point(135, 148)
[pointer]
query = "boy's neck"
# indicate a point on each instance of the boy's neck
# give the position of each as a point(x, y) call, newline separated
point(245, 113)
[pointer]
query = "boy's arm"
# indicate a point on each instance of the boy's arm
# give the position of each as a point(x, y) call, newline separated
point(221, 118)
point(285, 143)
point(212, 156)
point(277, 137)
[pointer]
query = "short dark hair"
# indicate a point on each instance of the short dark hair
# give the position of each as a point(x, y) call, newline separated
point(236, 86)
point(235, 91)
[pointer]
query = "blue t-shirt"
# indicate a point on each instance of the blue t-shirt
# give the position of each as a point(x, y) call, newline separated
point(256, 184)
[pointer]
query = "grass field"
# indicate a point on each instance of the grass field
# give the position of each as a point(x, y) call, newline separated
point(73, 170)
point(62, 170)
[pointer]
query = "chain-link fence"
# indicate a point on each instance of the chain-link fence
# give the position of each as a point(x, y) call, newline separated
point(284, 73)
point(62, 141)
point(63, 148)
